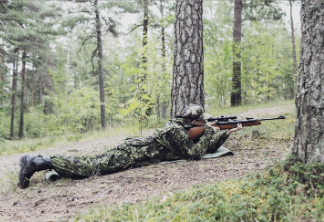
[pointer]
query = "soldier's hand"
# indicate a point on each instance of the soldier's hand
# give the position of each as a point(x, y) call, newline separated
point(239, 127)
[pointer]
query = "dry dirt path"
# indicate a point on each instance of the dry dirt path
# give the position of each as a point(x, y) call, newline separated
point(62, 200)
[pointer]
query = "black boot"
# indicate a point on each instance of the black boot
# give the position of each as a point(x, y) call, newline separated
point(29, 165)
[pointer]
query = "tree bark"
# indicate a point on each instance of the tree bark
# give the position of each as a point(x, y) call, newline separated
point(22, 104)
point(145, 29)
point(236, 99)
point(47, 106)
point(101, 75)
point(2, 77)
point(40, 89)
point(33, 95)
point(13, 98)
point(293, 44)
point(188, 66)
point(164, 104)
point(309, 127)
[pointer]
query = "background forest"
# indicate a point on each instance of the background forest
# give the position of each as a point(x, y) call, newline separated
point(52, 62)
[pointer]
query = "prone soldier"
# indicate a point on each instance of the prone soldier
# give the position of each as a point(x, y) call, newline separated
point(172, 142)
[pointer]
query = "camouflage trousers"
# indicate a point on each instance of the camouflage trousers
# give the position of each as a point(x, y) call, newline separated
point(133, 153)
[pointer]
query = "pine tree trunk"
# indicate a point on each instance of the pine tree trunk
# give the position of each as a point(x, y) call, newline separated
point(293, 46)
point(101, 75)
point(33, 94)
point(27, 95)
point(22, 104)
point(164, 104)
point(2, 78)
point(145, 28)
point(188, 66)
point(309, 127)
point(236, 99)
point(163, 49)
point(13, 98)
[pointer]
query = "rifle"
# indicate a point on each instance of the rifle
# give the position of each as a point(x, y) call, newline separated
point(226, 122)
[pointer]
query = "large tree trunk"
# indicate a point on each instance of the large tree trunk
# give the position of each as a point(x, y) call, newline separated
point(101, 75)
point(22, 104)
point(309, 127)
point(13, 98)
point(293, 44)
point(237, 36)
point(188, 66)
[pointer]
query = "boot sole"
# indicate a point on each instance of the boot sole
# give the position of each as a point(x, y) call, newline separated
point(23, 181)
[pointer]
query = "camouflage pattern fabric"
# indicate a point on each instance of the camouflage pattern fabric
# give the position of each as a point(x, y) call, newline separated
point(172, 142)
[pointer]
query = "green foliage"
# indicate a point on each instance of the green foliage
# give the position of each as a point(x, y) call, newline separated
point(273, 195)
point(267, 62)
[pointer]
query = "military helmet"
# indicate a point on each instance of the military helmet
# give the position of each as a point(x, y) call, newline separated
point(195, 112)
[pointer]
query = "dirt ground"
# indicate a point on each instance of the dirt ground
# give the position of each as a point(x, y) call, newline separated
point(64, 199)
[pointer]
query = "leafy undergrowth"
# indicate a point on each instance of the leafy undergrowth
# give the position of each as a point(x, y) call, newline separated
point(290, 191)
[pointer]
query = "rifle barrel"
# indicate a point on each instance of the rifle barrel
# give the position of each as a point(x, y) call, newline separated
point(279, 117)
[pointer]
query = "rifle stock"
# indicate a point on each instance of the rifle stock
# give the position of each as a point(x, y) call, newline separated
point(196, 132)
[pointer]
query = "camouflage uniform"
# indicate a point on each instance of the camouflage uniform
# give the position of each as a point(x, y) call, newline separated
point(172, 142)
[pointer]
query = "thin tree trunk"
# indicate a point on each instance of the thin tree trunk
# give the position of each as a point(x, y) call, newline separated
point(101, 75)
point(236, 99)
point(293, 45)
point(163, 49)
point(145, 28)
point(47, 105)
point(2, 77)
point(22, 105)
point(27, 95)
point(309, 127)
point(13, 98)
point(164, 104)
point(33, 95)
point(40, 89)
point(188, 65)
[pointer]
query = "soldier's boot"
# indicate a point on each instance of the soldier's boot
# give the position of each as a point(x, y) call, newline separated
point(29, 165)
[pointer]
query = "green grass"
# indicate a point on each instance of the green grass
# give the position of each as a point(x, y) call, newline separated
point(282, 193)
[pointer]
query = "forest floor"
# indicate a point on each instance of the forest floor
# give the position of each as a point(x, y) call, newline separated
point(63, 200)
